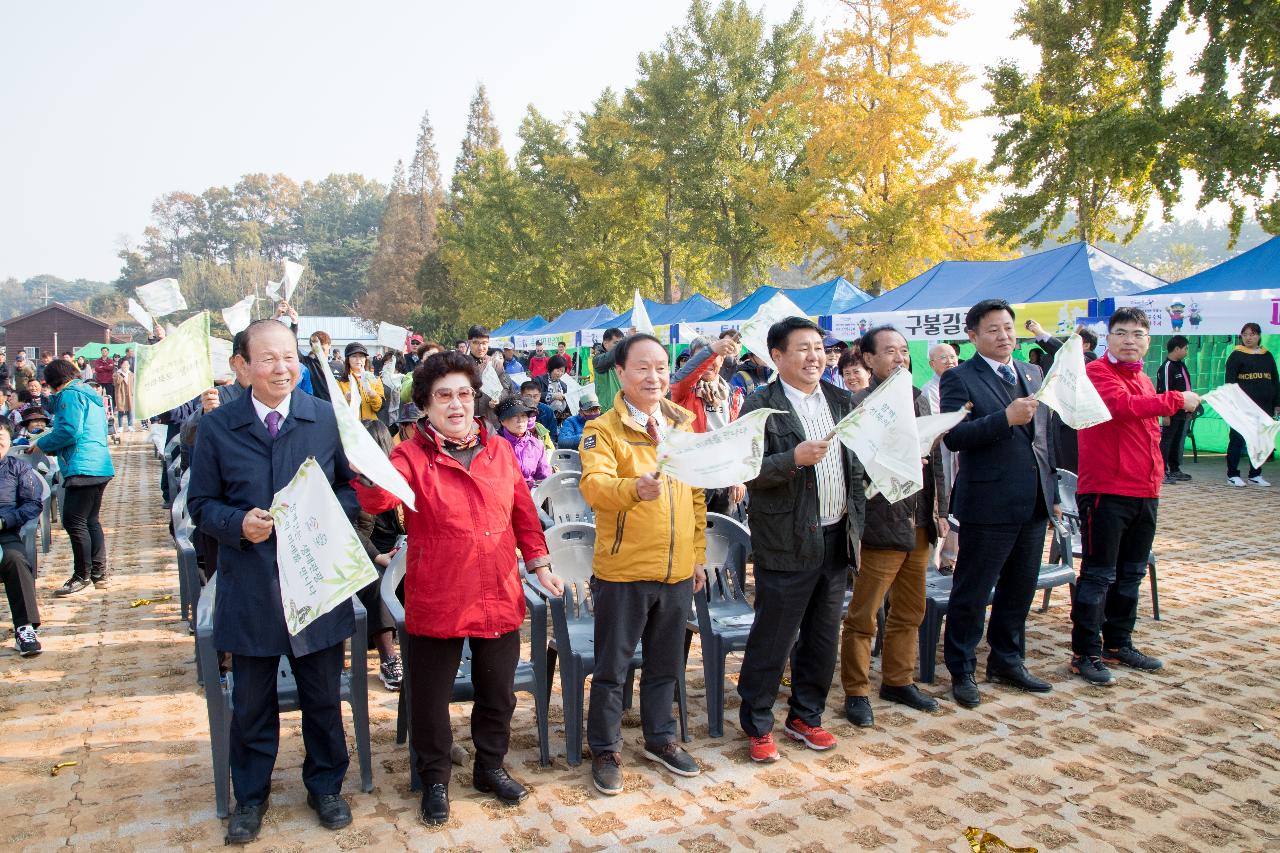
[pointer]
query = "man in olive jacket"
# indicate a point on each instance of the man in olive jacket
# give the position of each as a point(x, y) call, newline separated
point(806, 513)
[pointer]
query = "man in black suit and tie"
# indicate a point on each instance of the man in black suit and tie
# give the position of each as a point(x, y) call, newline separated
point(245, 451)
point(1003, 495)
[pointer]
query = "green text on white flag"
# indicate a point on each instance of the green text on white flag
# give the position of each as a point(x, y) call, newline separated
point(362, 451)
point(1068, 391)
point(718, 459)
point(173, 371)
point(882, 432)
point(320, 558)
point(1247, 418)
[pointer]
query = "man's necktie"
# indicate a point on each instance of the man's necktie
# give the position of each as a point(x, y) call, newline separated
point(1006, 373)
point(273, 423)
point(651, 427)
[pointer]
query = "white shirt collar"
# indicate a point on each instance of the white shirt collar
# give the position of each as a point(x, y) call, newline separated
point(799, 399)
point(263, 409)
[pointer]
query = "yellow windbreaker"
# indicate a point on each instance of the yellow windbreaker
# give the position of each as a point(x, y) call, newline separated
point(658, 540)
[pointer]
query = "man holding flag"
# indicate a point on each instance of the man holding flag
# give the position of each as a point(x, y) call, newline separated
point(806, 513)
point(1003, 495)
point(897, 542)
point(247, 450)
point(1121, 468)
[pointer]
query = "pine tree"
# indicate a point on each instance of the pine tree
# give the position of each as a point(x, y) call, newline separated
point(482, 135)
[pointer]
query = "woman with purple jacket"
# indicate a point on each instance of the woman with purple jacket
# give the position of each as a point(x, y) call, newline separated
point(531, 453)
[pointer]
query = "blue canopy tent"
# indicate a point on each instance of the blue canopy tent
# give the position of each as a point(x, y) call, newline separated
point(1072, 272)
point(511, 327)
point(833, 297)
point(1256, 269)
point(696, 307)
point(572, 321)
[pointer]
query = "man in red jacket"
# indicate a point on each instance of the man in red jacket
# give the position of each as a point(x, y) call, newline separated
point(1121, 469)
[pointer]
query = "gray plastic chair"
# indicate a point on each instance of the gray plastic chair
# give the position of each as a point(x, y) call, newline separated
point(354, 686)
point(188, 566)
point(723, 614)
point(156, 436)
point(46, 516)
point(30, 533)
point(566, 459)
point(530, 676)
point(1067, 482)
point(937, 596)
point(572, 546)
point(559, 500)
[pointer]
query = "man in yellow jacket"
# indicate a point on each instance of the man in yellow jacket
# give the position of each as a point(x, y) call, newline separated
point(649, 555)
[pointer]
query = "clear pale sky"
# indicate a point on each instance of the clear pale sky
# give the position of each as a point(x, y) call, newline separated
point(106, 106)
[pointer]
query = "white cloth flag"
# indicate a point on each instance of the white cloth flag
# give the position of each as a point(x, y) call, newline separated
point(1068, 391)
point(717, 459)
point(573, 391)
point(162, 297)
point(518, 379)
point(362, 451)
point(932, 427)
point(883, 432)
point(755, 332)
point(173, 371)
point(490, 384)
point(640, 316)
point(220, 359)
point(239, 316)
point(292, 274)
point(1247, 418)
point(392, 336)
point(320, 558)
point(140, 314)
point(273, 289)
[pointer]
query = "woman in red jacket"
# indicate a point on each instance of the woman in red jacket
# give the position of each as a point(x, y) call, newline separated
point(461, 581)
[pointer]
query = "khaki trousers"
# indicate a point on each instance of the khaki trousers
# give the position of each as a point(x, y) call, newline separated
point(901, 575)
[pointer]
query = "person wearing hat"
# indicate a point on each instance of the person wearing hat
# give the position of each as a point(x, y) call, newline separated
point(571, 429)
point(409, 415)
point(24, 371)
point(834, 348)
point(510, 363)
point(360, 386)
point(531, 453)
point(34, 422)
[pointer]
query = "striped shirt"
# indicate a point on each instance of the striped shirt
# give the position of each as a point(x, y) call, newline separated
point(815, 417)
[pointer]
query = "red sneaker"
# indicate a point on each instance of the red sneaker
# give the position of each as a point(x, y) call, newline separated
point(762, 748)
point(814, 737)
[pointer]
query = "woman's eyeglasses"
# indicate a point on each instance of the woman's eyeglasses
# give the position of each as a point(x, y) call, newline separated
point(445, 396)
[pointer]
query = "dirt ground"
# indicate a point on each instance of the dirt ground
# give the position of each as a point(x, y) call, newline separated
point(1184, 760)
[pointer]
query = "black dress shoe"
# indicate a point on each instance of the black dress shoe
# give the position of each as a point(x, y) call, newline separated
point(333, 811)
point(1018, 677)
point(965, 690)
point(245, 823)
point(858, 711)
point(435, 804)
point(909, 695)
point(498, 783)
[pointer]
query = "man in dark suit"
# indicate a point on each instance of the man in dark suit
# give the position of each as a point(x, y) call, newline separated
point(247, 450)
point(1003, 495)
point(806, 511)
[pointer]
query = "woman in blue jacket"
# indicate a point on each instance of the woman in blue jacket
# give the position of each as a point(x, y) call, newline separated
point(79, 437)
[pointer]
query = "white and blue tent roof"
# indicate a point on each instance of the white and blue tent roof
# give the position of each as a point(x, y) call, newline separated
point(1072, 272)
point(832, 297)
point(1256, 269)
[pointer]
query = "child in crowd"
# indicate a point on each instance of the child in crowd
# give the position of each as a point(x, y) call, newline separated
point(531, 453)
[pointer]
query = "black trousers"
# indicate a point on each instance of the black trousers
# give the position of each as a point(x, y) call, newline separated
point(19, 585)
point(999, 558)
point(1236, 449)
point(255, 723)
point(1172, 439)
point(80, 508)
point(628, 614)
point(431, 665)
point(1117, 531)
point(809, 602)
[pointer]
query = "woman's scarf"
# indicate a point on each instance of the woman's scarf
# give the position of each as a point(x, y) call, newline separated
point(447, 444)
point(712, 390)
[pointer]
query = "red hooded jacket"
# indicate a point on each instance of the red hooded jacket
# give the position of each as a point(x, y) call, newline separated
point(461, 576)
point(1122, 456)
